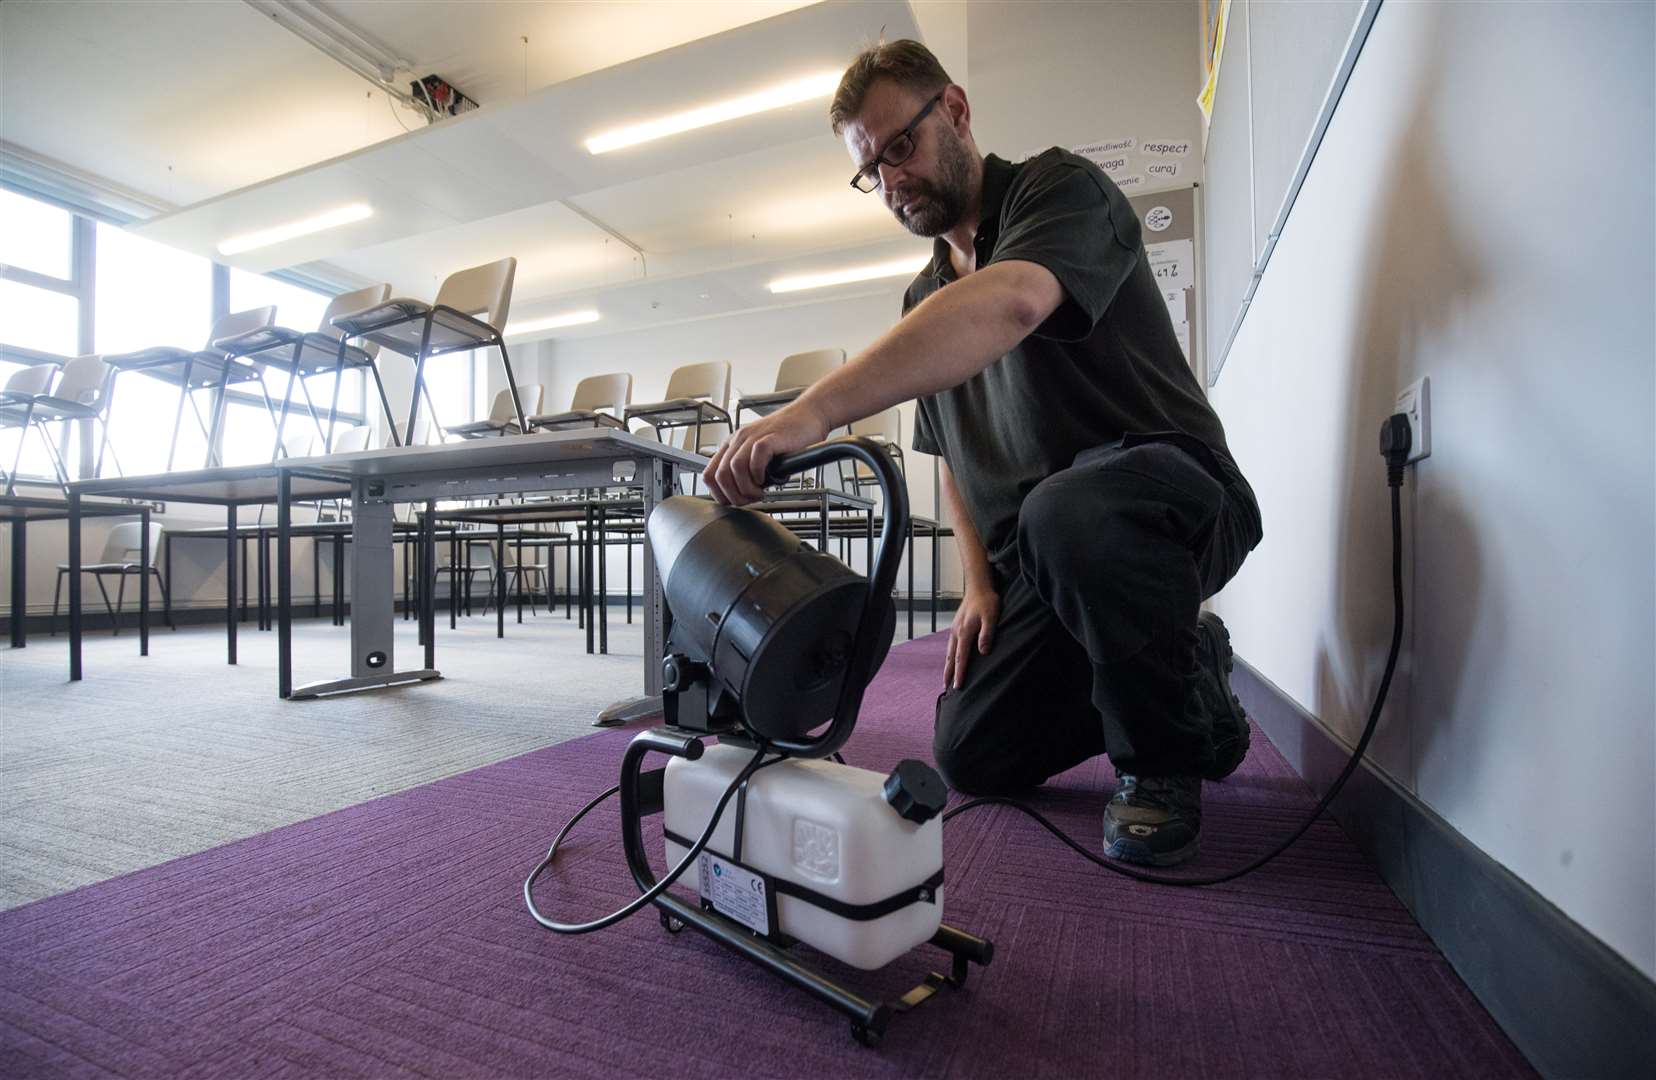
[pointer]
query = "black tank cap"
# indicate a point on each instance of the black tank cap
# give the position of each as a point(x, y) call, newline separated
point(915, 791)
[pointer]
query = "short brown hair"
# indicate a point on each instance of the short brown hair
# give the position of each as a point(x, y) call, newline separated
point(907, 63)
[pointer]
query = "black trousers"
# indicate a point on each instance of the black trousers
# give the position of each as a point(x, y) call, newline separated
point(1095, 649)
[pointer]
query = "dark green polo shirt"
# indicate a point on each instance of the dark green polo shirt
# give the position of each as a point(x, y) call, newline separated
point(1104, 366)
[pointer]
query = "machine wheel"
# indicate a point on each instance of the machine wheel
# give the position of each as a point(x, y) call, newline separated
point(671, 923)
point(866, 1035)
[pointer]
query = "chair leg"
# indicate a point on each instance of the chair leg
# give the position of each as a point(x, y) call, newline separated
point(107, 606)
point(166, 600)
point(56, 594)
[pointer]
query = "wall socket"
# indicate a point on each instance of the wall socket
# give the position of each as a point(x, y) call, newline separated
point(1415, 402)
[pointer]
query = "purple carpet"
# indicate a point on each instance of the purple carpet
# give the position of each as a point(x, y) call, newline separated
point(390, 938)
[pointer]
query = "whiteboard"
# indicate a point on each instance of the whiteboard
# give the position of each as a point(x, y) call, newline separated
point(1284, 67)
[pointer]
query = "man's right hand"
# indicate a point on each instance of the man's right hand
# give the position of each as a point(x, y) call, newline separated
point(973, 629)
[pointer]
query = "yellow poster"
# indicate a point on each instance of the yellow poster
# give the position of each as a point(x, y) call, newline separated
point(1205, 99)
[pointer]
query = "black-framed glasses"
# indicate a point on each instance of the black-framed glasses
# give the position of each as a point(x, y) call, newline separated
point(897, 151)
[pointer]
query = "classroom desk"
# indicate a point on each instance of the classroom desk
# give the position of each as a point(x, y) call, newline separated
point(18, 510)
point(231, 487)
point(522, 464)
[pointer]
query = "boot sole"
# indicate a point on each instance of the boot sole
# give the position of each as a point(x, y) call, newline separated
point(1130, 851)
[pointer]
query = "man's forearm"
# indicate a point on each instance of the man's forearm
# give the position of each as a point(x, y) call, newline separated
point(951, 336)
point(974, 560)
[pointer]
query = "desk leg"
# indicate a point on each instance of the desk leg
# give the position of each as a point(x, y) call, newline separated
point(499, 584)
point(657, 619)
point(166, 593)
point(586, 578)
point(338, 579)
point(603, 583)
point(284, 582)
point(428, 582)
point(19, 581)
point(936, 541)
point(373, 604)
point(518, 541)
point(910, 561)
point(232, 551)
point(74, 586)
point(143, 580)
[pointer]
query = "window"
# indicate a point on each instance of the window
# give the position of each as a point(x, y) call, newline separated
point(42, 290)
point(458, 383)
point(149, 294)
point(39, 320)
point(36, 237)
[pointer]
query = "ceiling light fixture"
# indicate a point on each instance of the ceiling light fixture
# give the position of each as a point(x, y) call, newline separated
point(344, 215)
point(895, 268)
point(777, 97)
point(552, 322)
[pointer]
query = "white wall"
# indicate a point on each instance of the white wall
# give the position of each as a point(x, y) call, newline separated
point(1480, 212)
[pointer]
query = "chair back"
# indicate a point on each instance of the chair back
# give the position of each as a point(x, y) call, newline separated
point(501, 411)
point(709, 382)
point(885, 428)
point(85, 381)
point(346, 303)
point(240, 322)
point(299, 444)
point(596, 393)
point(125, 543)
point(803, 369)
point(481, 554)
point(486, 288)
point(352, 439)
point(712, 434)
point(33, 380)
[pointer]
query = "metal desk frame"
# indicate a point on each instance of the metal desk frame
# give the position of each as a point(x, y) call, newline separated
point(381, 479)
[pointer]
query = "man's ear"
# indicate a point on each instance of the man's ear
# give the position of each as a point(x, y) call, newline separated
point(959, 110)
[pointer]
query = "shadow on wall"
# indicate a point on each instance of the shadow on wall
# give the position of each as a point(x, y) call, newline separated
point(1419, 282)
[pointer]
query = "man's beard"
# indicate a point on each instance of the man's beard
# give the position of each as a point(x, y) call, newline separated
point(940, 206)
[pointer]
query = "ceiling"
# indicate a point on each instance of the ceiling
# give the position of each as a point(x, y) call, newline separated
point(215, 108)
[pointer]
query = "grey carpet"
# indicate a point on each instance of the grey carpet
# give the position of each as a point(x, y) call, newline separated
point(149, 759)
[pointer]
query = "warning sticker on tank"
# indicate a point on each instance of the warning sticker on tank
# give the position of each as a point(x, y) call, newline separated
point(735, 892)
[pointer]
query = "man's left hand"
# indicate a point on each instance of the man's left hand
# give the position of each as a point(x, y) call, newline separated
point(736, 473)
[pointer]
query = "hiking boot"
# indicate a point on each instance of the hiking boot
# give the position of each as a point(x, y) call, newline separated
point(1214, 662)
point(1153, 820)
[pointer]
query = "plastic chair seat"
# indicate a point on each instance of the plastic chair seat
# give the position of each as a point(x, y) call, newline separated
point(481, 428)
point(678, 411)
point(578, 418)
point(105, 568)
point(48, 409)
point(399, 323)
point(318, 352)
point(166, 362)
point(765, 404)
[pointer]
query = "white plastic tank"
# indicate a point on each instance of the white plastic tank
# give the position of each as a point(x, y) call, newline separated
point(821, 825)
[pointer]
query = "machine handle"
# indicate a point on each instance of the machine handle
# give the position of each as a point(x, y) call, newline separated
point(893, 531)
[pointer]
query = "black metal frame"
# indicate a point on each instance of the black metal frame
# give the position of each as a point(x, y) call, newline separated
point(489, 336)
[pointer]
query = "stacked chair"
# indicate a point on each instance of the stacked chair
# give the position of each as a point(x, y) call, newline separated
point(502, 418)
point(209, 369)
point(593, 396)
point(422, 331)
point(18, 401)
point(302, 355)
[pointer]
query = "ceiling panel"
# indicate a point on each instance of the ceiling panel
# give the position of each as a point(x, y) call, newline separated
point(530, 150)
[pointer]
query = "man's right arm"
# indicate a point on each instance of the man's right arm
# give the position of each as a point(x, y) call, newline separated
point(974, 623)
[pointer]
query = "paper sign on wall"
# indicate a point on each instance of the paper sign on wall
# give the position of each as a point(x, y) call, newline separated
point(1131, 181)
point(1104, 148)
point(1164, 148)
point(1162, 170)
point(1171, 263)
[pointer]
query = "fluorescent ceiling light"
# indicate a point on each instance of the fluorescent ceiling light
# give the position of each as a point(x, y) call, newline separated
point(895, 268)
point(569, 318)
point(344, 215)
point(777, 97)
